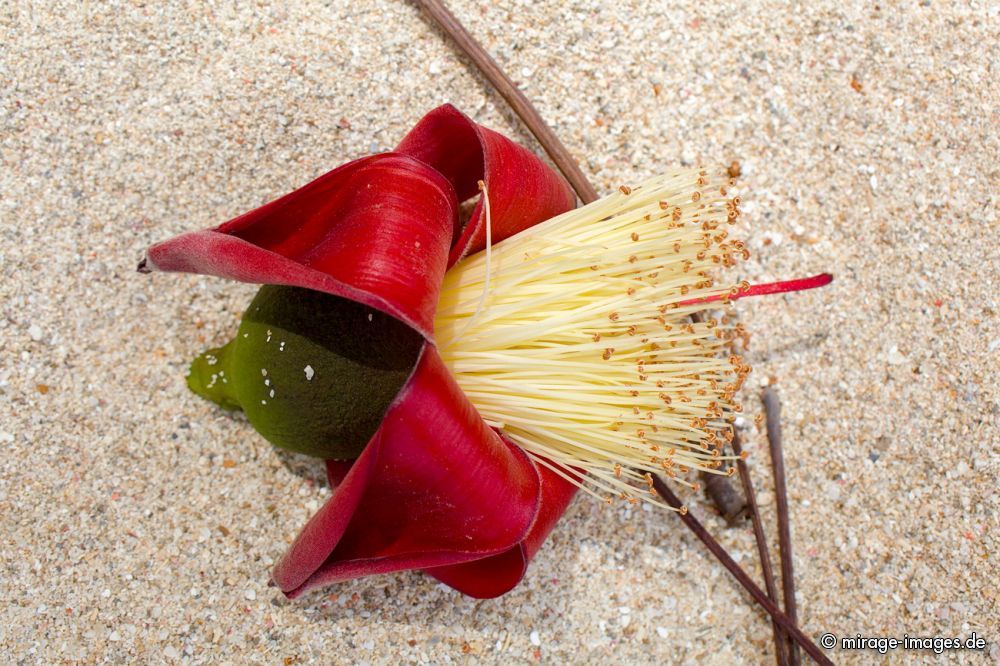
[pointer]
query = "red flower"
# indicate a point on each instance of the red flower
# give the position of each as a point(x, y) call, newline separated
point(435, 488)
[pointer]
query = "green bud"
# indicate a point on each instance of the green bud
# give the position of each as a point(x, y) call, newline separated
point(314, 373)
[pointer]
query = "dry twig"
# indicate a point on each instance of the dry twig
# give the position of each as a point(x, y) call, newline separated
point(765, 557)
point(772, 411)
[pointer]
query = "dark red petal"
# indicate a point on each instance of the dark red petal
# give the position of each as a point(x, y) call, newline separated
point(496, 575)
point(377, 231)
point(336, 470)
point(523, 190)
point(434, 487)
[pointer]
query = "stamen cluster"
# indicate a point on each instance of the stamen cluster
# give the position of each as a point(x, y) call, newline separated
point(587, 340)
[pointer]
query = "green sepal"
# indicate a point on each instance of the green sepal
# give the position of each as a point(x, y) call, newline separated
point(314, 373)
point(208, 377)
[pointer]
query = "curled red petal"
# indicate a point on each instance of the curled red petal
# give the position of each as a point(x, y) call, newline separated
point(492, 576)
point(376, 230)
point(435, 486)
point(523, 190)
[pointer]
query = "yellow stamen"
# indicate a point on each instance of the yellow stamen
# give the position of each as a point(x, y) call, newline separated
point(573, 336)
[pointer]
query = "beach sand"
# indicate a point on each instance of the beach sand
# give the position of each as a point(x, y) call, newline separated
point(140, 523)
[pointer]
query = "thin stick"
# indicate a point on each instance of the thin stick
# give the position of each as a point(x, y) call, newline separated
point(765, 558)
point(772, 411)
point(759, 596)
point(522, 107)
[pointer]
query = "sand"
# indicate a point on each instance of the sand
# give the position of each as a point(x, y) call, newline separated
point(140, 523)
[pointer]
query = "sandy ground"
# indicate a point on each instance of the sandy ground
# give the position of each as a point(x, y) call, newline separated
point(139, 522)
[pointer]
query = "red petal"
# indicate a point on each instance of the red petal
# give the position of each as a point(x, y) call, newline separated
point(434, 487)
point(376, 230)
point(496, 575)
point(523, 190)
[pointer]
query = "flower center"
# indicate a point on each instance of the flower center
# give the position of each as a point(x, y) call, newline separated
point(586, 339)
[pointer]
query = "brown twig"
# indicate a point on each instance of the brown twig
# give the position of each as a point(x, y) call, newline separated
point(765, 558)
point(737, 571)
point(522, 107)
point(772, 412)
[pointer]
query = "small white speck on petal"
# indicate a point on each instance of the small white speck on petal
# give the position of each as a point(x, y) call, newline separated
point(309, 373)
